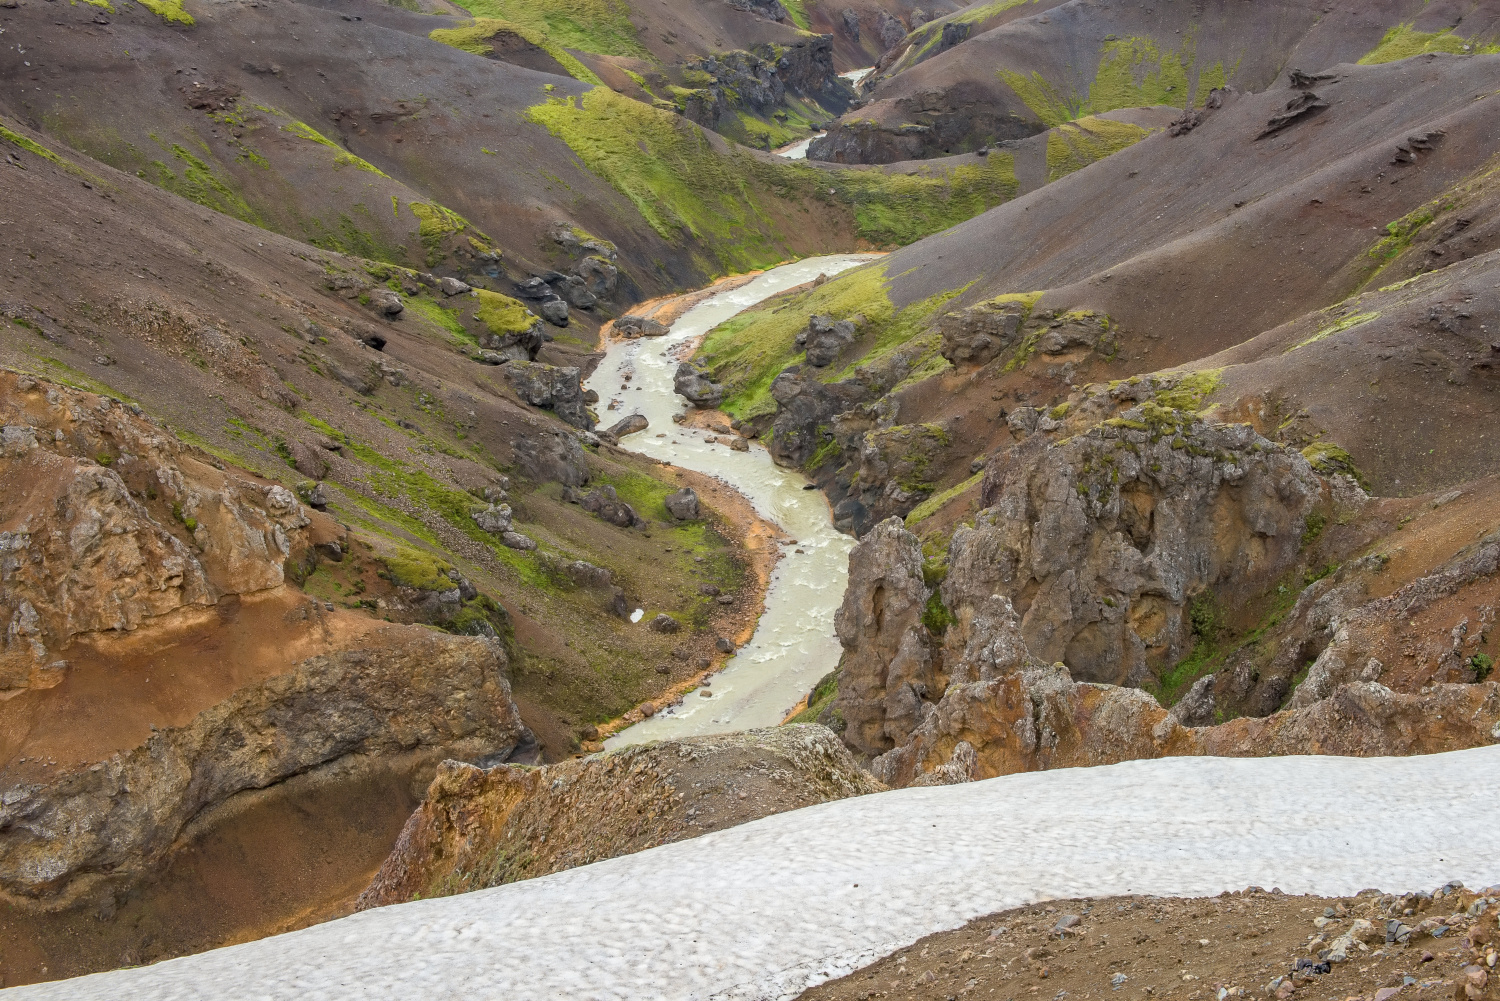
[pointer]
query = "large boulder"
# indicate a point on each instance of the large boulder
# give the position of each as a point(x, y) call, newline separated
point(640, 326)
point(697, 387)
point(552, 387)
point(604, 502)
point(683, 505)
point(616, 803)
point(552, 457)
point(634, 424)
point(825, 339)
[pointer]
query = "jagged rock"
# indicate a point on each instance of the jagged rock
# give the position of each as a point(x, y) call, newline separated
point(699, 390)
point(452, 286)
point(534, 287)
point(515, 540)
point(495, 519)
point(516, 345)
point(552, 457)
point(634, 424)
point(555, 312)
point(586, 809)
point(893, 462)
point(589, 575)
point(683, 505)
point(1304, 105)
point(357, 381)
point(575, 241)
point(954, 32)
point(309, 461)
point(892, 31)
point(824, 339)
point(664, 623)
point(1370, 630)
point(552, 387)
point(603, 502)
point(803, 405)
point(1196, 708)
point(404, 689)
point(317, 497)
point(640, 326)
point(598, 274)
point(723, 645)
point(101, 548)
point(851, 23)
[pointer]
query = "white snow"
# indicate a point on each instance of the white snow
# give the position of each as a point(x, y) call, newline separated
point(767, 909)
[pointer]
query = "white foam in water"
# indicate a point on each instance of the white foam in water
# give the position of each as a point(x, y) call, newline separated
point(794, 643)
point(798, 150)
point(765, 910)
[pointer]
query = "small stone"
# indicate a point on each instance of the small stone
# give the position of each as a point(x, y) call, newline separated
point(1065, 922)
point(663, 669)
point(452, 286)
point(705, 693)
point(726, 599)
point(741, 445)
point(1118, 980)
point(683, 505)
point(723, 645)
point(708, 590)
point(648, 709)
point(515, 540)
point(664, 623)
point(555, 312)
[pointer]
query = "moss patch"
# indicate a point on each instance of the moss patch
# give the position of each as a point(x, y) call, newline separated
point(1075, 145)
point(818, 700)
point(502, 315)
point(1347, 323)
point(196, 181)
point(599, 26)
point(937, 502)
point(1404, 41)
point(342, 157)
point(475, 37)
point(169, 11)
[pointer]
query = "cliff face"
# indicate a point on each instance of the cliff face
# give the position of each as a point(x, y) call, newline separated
point(483, 827)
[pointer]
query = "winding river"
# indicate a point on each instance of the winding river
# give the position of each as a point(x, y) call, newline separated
point(794, 643)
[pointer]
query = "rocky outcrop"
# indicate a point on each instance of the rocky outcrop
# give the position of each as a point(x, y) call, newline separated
point(1366, 633)
point(760, 80)
point(119, 524)
point(825, 339)
point(634, 424)
point(580, 811)
point(1004, 711)
point(640, 326)
point(927, 124)
point(604, 502)
point(698, 389)
point(987, 330)
point(805, 408)
point(552, 457)
point(552, 387)
point(404, 688)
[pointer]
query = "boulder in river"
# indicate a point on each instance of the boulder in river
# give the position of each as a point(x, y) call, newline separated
point(697, 387)
point(640, 326)
point(633, 424)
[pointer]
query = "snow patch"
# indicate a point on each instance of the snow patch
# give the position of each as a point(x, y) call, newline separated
point(767, 909)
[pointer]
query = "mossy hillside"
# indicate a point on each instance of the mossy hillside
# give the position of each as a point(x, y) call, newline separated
point(477, 35)
point(341, 156)
point(192, 178)
point(1422, 225)
point(731, 201)
point(924, 40)
point(438, 226)
point(748, 351)
point(1074, 145)
point(1132, 73)
point(938, 501)
point(1338, 327)
point(502, 315)
point(1404, 41)
point(598, 26)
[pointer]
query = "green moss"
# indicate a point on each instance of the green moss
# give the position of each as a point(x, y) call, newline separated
point(1132, 73)
point(797, 9)
point(435, 224)
point(417, 568)
point(1191, 390)
point(935, 615)
point(445, 319)
point(897, 209)
point(818, 700)
point(1347, 323)
point(937, 502)
point(830, 449)
point(502, 315)
point(1404, 41)
point(598, 26)
point(342, 157)
point(197, 182)
point(1075, 145)
point(31, 146)
point(925, 39)
point(169, 11)
point(1313, 530)
point(476, 35)
point(1329, 459)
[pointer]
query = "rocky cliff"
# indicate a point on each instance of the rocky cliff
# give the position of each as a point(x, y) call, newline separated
point(483, 827)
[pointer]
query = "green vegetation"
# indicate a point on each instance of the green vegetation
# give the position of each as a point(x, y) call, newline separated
point(937, 502)
point(599, 26)
point(417, 568)
point(169, 11)
point(342, 157)
point(503, 315)
point(200, 184)
point(1330, 460)
point(1404, 41)
point(445, 319)
point(1313, 530)
point(435, 224)
point(1132, 73)
point(684, 184)
point(1481, 664)
point(935, 615)
point(1347, 323)
point(31, 146)
point(818, 700)
point(798, 11)
point(476, 35)
point(926, 38)
point(1191, 390)
point(1074, 145)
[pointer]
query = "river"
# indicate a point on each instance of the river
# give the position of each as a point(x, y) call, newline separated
point(794, 643)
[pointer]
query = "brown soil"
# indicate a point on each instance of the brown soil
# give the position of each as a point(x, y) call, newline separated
point(1185, 949)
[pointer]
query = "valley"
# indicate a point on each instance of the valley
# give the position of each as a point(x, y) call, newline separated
point(806, 476)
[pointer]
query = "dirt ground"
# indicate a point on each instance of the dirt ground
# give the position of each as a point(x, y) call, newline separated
point(1244, 944)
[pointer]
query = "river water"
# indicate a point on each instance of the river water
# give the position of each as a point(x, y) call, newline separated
point(794, 643)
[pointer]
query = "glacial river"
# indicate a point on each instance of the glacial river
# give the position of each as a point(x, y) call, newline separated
point(794, 643)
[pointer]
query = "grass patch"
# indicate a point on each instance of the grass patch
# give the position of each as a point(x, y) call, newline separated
point(1404, 41)
point(598, 26)
point(341, 158)
point(445, 319)
point(169, 11)
point(818, 700)
point(937, 502)
point(502, 315)
point(1347, 323)
point(476, 35)
point(1074, 145)
point(197, 182)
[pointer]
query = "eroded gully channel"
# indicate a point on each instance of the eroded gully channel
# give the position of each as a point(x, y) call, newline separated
point(794, 643)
